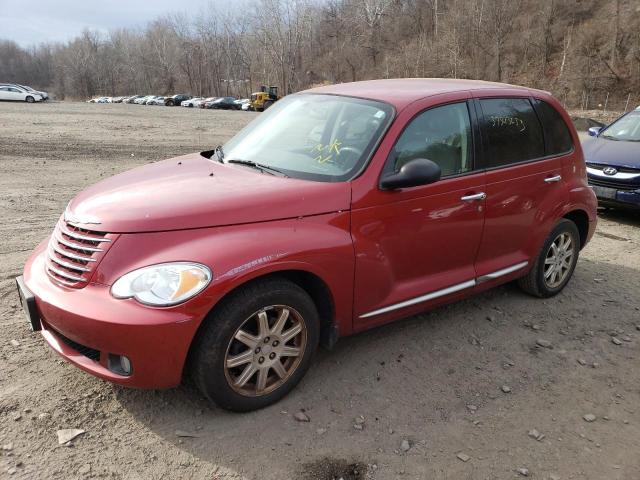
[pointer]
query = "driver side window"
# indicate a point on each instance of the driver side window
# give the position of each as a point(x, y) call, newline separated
point(440, 134)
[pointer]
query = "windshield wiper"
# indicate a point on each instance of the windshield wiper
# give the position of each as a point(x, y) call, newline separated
point(219, 153)
point(258, 166)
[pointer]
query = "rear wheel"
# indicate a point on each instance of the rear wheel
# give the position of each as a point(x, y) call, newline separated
point(30, 99)
point(256, 345)
point(169, 103)
point(555, 263)
point(267, 104)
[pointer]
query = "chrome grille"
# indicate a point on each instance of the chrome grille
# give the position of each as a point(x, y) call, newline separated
point(599, 166)
point(74, 252)
point(612, 183)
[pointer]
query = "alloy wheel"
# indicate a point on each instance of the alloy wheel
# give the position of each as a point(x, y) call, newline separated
point(557, 264)
point(265, 351)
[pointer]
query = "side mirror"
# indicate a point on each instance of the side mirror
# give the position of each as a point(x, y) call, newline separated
point(418, 171)
point(594, 131)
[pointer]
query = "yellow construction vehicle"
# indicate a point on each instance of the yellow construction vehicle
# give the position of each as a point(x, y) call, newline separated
point(263, 99)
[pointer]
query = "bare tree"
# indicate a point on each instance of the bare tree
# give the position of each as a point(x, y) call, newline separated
point(580, 49)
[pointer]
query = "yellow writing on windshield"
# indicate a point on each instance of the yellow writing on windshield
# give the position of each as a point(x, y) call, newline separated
point(326, 153)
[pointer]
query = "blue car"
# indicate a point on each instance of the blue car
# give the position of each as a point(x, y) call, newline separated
point(612, 154)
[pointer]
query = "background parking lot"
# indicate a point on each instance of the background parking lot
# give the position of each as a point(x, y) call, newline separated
point(483, 388)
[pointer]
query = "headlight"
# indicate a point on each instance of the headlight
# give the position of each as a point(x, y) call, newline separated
point(163, 284)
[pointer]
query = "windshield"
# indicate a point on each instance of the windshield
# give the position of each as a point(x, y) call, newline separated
point(314, 137)
point(625, 128)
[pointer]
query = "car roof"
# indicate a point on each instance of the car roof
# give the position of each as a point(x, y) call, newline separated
point(402, 91)
point(12, 85)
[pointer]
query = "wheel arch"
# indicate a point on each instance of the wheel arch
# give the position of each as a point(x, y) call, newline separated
point(581, 220)
point(315, 286)
point(322, 297)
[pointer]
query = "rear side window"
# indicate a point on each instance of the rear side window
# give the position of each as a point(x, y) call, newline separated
point(512, 131)
point(556, 132)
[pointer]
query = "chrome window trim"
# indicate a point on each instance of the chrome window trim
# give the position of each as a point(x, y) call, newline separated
point(447, 291)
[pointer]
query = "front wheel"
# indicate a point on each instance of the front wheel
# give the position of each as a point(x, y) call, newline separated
point(169, 103)
point(555, 263)
point(30, 99)
point(256, 345)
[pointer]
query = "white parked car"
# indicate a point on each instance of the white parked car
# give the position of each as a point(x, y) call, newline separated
point(243, 103)
point(198, 103)
point(155, 101)
point(17, 94)
point(191, 102)
point(142, 100)
point(44, 95)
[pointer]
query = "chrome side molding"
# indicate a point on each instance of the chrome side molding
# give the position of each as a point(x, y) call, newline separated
point(422, 298)
point(447, 291)
point(502, 272)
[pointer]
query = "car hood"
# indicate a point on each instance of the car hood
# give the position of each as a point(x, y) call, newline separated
point(617, 153)
point(194, 192)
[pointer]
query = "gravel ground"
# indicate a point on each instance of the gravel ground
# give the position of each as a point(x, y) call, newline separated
point(467, 391)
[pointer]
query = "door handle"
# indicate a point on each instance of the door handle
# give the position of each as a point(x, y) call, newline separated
point(555, 178)
point(475, 196)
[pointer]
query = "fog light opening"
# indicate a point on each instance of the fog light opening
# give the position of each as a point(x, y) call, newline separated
point(120, 364)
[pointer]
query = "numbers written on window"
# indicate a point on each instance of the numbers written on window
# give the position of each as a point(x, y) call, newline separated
point(440, 134)
point(512, 131)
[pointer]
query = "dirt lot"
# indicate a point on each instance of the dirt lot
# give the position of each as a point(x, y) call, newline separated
point(435, 380)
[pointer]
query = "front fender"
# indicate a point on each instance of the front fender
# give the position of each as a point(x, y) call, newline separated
point(319, 244)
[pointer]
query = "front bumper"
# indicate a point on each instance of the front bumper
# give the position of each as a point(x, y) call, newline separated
point(622, 199)
point(622, 188)
point(86, 325)
point(617, 198)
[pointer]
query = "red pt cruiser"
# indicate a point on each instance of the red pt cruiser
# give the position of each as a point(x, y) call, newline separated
point(339, 209)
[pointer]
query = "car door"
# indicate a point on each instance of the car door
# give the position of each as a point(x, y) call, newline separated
point(523, 185)
point(5, 94)
point(16, 94)
point(416, 246)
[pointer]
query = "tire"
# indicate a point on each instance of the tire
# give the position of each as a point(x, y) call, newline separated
point(30, 99)
point(267, 104)
point(240, 316)
point(541, 281)
point(169, 103)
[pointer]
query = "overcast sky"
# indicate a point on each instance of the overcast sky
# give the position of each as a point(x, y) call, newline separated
point(29, 22)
